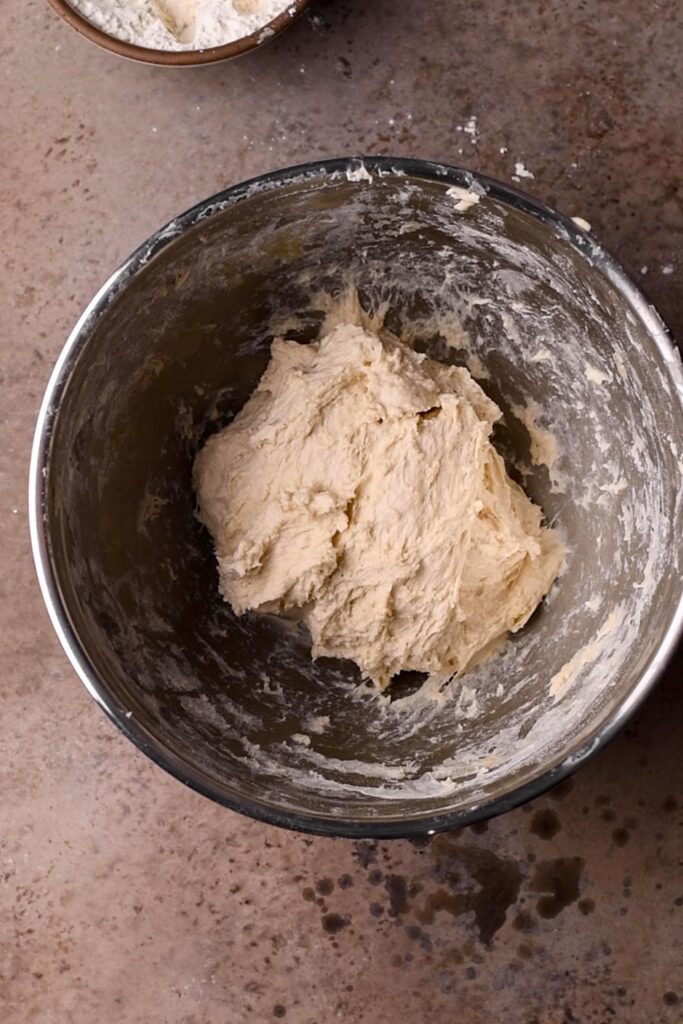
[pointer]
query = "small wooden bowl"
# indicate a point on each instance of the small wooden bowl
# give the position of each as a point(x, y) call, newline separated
point(179, 58)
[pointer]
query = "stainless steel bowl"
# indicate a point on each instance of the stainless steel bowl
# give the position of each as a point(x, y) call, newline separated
point(173, 344)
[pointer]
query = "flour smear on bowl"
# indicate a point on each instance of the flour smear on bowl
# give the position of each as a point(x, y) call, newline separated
point(181, 24)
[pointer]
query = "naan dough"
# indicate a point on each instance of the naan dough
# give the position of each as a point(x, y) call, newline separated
point(359, 485)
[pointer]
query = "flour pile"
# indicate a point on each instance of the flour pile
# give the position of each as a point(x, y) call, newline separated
point(180, 24)
point(359, 485)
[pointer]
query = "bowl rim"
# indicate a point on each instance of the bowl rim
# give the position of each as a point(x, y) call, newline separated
point(179, 58)
point(362, 169)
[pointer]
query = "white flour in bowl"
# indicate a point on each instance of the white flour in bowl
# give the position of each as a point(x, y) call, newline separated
point(181, 24)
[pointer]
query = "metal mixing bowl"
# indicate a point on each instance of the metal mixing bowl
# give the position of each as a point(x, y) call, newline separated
point(172, 346)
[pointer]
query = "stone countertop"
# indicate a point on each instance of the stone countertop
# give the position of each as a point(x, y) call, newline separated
point(126, 897)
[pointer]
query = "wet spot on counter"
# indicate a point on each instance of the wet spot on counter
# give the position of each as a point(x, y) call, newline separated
point(475, 881)
point(416, 934)
point(436, 901)
point(470, 949)
point(324, 886)
point(308, 894)
point(586, 906)
point(365, 852)
point(345, 881)
point(333, 923)
point(545, 824)
point(562, 790)
point(397, 891)
point(558, 880)
point(375, 877)
point(376, 910)
point(621, 836)
point(279, 1010)
point(670, 999)
point(524, 922)
point(447, 982)
point(499, 880)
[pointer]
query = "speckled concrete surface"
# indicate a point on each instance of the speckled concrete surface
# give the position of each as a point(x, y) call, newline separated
point(125, 897)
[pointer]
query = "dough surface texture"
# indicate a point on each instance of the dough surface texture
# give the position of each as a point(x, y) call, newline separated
point(359, 485)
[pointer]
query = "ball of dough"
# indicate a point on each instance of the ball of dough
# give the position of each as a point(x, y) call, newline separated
point(359, 485)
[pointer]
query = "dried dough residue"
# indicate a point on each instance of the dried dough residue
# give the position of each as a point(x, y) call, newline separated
point(544, 447)
point(585, 656)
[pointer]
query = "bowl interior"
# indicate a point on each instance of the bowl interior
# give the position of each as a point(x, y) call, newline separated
point(172, 351)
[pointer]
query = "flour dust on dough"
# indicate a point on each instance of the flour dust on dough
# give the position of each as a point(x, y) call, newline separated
point(359, 486)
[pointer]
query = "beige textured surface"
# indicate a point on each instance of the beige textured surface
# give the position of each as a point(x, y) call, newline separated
point(125, 897)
